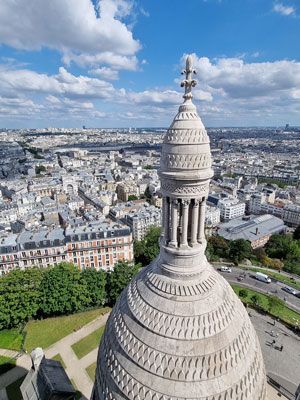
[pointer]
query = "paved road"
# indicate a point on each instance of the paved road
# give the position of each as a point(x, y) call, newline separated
point(274, 287)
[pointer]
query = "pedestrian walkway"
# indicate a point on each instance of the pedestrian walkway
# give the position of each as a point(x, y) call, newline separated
point(76, 369)
point(286, 363)
point(9, 353)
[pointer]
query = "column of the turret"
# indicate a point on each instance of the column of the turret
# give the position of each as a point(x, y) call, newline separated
point(166, 217)
point(185, 220)
point(201, 221)
point(174, 223)
point(194, 222)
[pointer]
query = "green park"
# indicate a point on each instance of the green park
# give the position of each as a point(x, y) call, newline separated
point(41, 307)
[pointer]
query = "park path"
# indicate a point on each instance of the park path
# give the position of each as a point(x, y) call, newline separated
point(89, 359)
point(9, 353)
point(74, 368)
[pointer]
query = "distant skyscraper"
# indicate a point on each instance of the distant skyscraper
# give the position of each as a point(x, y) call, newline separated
point(178, 331)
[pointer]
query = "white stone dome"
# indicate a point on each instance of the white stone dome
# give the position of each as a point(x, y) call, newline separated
point(174, 339)
point(178, 331)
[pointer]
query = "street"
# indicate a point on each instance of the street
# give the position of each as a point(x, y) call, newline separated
point(274, 287)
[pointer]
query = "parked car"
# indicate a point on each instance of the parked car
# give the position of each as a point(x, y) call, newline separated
point(290, 290)
point(225, 269)
point(240, 278)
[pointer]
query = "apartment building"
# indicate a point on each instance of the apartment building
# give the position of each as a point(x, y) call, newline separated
point(95, 245)
point(231, 208)
point(141, 220)
point(126, 189)
point(291, 215)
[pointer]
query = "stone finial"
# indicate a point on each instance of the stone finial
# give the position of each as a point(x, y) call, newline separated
point(188, 83)
point(36, 355)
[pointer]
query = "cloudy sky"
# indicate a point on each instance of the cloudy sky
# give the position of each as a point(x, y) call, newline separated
point(117, 63)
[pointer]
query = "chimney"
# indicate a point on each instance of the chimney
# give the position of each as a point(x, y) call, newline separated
point(256, 231)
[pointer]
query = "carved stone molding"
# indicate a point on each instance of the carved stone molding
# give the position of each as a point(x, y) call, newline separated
point(186, 161)
point(186, 136)
point(201, 189)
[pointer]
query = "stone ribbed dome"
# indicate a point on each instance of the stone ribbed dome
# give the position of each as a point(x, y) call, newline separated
point(178, 331)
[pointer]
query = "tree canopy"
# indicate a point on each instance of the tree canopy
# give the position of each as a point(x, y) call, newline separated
point(63, 291)
point(147, 249)
point(287, 249)
point(296, 234)
point(239, 250)
point(119, 278)
point(57, 290)
point(19, 296)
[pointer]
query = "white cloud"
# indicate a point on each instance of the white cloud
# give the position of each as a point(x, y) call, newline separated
point(235, 78)
point(283, 10)
point(105, 73)
point(247, 93)
point(155, 97)
point(64, 83)
point(229, 91)
point(81, 32)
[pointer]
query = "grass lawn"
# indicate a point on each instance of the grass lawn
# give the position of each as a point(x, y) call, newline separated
point(91, 370)
point(280, 277)
point(58, 357)
point(279, 310)
point(88, 343)
point(45, 332)
point(13, 390)
point(11, 339)
point(6, 363)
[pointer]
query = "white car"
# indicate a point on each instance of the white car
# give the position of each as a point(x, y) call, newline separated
point(225, 269)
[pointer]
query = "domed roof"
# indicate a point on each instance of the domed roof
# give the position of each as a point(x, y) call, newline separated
point(178, 331)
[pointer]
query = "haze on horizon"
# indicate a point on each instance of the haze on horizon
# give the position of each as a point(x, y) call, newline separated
point(116, 63)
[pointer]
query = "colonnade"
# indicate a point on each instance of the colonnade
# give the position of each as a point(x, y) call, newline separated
point(183, 221)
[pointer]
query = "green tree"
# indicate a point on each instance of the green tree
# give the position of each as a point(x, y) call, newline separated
point(243, 293)
point(132, 197)
point(63, 291)
point(95, 282)
point(239, 250)
point(260, 253)
point(255, 300)
point(285, 248)
point(279, 246)
point(119, 278)
point(296, 234)
point(147, 249)
point(217, 247)
point(19, 296)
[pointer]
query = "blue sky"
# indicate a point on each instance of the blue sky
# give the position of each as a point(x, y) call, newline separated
point(117, 63)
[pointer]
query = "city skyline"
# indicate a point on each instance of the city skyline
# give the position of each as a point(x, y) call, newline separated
point(104, 63)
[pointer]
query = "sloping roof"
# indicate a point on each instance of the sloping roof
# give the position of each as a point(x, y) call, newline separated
point(47, 381)
point(252, 229)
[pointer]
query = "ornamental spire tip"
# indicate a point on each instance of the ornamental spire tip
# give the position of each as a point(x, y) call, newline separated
point(188, 83)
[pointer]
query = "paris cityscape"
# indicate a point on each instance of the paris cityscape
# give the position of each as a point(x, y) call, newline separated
point(149, 221)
